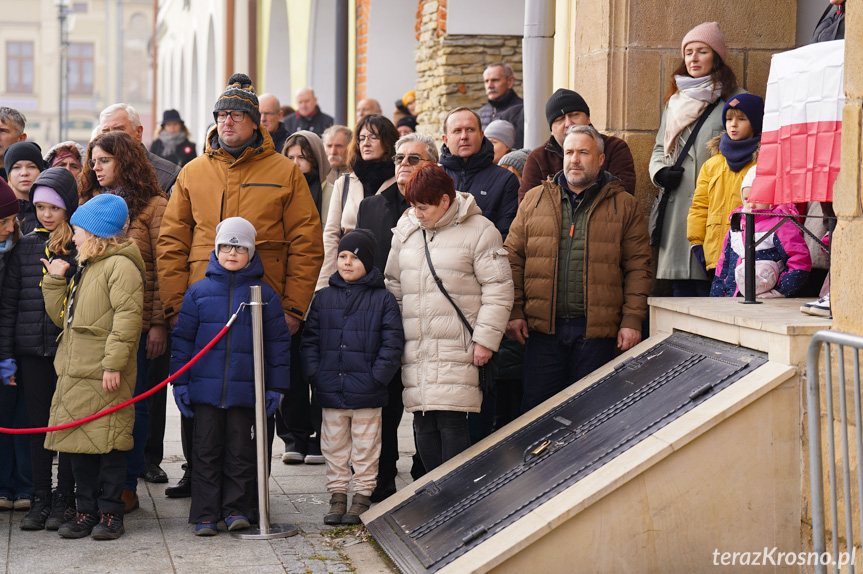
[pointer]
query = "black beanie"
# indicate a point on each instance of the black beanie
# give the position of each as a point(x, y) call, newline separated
point(23, 151)
point(362, 243)
point(564, 102)
point(240, 95)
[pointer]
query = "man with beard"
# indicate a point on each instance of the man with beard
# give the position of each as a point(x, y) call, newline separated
point(503, 102)
point(336, 139)
point(580, 258)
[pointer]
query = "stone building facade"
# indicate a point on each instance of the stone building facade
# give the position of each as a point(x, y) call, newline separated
point(450, 67)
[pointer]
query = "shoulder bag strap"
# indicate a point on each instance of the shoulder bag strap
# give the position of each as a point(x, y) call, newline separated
point(441, 287)
point(691, 139)
point(345, 189)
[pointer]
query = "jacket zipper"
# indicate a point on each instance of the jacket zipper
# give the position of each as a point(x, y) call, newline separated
point(68, 357)
point(554, 293)
point(261, 185)
point(595, 204)
point(228, 344)
point(568, 255)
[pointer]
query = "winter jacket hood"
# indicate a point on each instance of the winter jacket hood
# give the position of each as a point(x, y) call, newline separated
point(63, 182)
point(320, 153)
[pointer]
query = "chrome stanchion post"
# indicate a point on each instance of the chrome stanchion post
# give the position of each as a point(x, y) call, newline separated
point(265, 530)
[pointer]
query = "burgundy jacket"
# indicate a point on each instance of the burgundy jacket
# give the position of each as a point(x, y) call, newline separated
point(545, 161)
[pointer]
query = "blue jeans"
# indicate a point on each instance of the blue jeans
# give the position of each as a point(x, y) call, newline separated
point(553, 362)
point(135, 458)
point(16, 472)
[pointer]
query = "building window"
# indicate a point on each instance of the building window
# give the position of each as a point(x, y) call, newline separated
point(81, 69)
point(19, 67)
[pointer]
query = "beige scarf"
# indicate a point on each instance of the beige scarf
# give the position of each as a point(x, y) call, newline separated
point(685, 106)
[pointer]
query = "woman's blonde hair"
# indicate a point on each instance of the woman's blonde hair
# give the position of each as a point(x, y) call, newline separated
point(60, 241)
point(96, 246)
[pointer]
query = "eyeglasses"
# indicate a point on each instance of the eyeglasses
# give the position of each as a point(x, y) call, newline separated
point(103, 161)
point(413, 160)
point(236, 115)
point(238, 248)
point(369, 137)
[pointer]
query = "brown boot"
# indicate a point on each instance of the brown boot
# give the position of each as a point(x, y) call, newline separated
point(338, 506)
point(130, 500)
point(359, 504)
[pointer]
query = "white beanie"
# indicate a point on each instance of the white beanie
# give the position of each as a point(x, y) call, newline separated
point(236, 231)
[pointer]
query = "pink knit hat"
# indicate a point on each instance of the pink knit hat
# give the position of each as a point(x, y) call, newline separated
point(710, 34)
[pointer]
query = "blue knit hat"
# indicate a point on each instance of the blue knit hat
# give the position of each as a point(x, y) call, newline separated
point(104, 216)
point(749, 104)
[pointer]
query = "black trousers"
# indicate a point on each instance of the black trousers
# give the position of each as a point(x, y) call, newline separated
point(154, 451)
point(100, 479)
point(38, 382)
point(223, 469)
point(298, 419)
point(391, 417)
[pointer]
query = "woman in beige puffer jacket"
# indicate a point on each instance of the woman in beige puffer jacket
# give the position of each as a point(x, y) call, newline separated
point(439, 365)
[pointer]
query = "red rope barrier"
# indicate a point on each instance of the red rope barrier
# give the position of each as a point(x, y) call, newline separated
point(133, 400)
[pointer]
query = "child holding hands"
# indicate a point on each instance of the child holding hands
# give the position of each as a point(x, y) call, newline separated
point(218, 392)
point(352, 348)
point(100, 313)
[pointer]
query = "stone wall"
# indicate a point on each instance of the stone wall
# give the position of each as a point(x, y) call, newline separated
point(450, 67)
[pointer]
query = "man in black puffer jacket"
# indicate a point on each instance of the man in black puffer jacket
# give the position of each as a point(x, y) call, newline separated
point(467, 157)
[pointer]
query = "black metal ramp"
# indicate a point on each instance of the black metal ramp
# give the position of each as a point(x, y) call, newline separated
point(446, 518)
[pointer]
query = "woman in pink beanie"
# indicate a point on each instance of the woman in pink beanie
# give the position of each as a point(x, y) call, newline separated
point(700, 85)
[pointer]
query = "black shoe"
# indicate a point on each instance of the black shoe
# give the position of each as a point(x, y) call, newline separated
point(383, 491)
point(109, 528)
point(154, 473)
point(40, 508)
point(182, 490)
point(80, 527)
point(62, 510)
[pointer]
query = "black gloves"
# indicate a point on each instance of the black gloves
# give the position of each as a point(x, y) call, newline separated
point(669, 177)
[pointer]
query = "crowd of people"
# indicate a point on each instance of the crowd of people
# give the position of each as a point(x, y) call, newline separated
point(465, 284)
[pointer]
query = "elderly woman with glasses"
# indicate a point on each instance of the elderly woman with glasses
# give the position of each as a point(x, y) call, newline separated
point(118, 165)
point(444, 243)
point(372, 171)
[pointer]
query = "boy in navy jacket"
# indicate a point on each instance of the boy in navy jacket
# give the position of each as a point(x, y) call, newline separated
point(218, 392)
point(352, 348)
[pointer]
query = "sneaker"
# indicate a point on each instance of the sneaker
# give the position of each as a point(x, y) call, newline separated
point(819, 308)
point(338, 507)
point(292, 457)
point(314, 459)
point(359, 504)
point(21, 503)
point(236, 522)
point(6, 502)
point(62, 510)
point(80, 527)
point(40, 508)
point(109, 528)
point(206, 529)
point(130, 500)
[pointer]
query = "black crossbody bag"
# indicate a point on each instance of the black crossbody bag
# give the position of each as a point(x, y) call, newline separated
point(660, 204)
point(487, 372)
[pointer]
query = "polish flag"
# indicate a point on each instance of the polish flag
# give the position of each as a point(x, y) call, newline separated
point(802, 133)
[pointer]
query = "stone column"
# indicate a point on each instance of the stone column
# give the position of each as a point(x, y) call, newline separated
point(450, 67)
point(626, 50)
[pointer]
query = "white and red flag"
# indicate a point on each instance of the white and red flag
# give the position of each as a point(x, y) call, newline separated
point(800, 142)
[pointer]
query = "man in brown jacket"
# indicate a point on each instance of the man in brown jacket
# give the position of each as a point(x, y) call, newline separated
point(563, 109)
point(580, 258)
point(240, 174)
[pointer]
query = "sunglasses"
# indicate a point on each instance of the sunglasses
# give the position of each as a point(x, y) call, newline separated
point(413, 160)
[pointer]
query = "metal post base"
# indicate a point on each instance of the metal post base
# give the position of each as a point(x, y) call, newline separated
point(275, 531)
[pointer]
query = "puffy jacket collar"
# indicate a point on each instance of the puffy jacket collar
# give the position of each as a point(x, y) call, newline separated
point(262, 147)
point(554, 147)
point(462, 208)
point(127, 249)
point(372, 280)
point(251, 273)
point(609, 186)
point(505, 101)
point(477, 162)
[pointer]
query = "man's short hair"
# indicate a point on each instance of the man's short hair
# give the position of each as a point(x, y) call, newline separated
point(431, 146)
point(461, 109)
point(14, 118)
point(337, 129)
point(507, 69)
point(131, 112)
point(590, 131)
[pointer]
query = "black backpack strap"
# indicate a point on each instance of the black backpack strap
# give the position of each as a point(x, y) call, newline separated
point(441, 287)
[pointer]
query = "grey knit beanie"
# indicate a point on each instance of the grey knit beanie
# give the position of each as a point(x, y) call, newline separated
point(240, 95)
point(236, 231)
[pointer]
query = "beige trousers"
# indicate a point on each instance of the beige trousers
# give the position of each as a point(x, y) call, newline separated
point(351, 436)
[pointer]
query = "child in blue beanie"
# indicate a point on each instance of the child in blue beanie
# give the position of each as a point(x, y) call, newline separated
point(218, 392)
